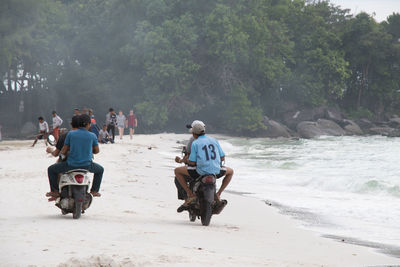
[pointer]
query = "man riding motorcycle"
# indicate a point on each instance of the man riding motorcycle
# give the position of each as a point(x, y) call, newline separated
point(81, 145)
point(205, 157)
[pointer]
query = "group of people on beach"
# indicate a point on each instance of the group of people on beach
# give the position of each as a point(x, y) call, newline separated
point(75, 149)
point(105, 134)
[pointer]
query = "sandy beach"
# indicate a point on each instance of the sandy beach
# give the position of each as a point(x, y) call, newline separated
point(135, 222)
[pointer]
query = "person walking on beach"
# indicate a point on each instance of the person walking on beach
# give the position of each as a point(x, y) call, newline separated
point(111, 121)
point(43, 131)
point(132, 123)
point(121, 123)
point(205, 157)
point(57, 121)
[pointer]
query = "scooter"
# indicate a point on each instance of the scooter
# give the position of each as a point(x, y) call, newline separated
point(74, 192)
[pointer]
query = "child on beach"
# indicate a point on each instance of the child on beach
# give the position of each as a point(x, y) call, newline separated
point(104, 137)
point(43, 131)
point(121, 123)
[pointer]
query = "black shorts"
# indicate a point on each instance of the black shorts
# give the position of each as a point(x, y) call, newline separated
point(193, 173)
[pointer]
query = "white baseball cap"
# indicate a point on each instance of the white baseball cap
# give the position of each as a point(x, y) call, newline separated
point(197, 127)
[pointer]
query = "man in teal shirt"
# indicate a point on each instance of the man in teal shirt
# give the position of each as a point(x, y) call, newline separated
point(205, 157)
point(81, 145)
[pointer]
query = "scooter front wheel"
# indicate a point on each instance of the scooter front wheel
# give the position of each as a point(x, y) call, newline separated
point(206, 213)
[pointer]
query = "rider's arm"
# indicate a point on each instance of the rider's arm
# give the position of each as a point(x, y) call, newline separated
point(96, 149)
point(64, 150)
point(191, 163)
point(55, 152)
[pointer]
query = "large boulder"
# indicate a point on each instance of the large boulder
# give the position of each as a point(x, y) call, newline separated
point(28, 129)
point(330, 127)
point(352, 128)
point(293, 118)
point(394, 122)
point(333, 114)
point(384, 130)
point(394, 133)
point(310, 129)
point(275, 129)
point(365, 125)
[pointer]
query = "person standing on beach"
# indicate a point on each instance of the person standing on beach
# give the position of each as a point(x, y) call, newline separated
point(57, 121)
point(63, 134)
point(111, 121)
point(43, 131)
point(132, 123)
point(121, 123)
point(93, 127)
point(77, 111)
point(205, 157)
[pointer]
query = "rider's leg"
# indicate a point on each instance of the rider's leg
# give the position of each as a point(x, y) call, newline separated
point(98, 171)
point(226, 181)
point(180, 172)
point(53, 172)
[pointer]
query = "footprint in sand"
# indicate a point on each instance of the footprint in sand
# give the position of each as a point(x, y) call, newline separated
point(235, 228)
point(129, 211)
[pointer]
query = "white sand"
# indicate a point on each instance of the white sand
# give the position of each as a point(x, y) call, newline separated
point(135, 222)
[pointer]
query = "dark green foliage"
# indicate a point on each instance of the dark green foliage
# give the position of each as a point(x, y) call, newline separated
point(225, 62)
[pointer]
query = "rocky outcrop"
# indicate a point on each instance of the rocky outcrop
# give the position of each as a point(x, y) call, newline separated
point(351, 128)
point(385, 131)
point(365, 124)
point(333, 114)
point(293, 118)
point(314, 122)
point(309, 129)
point(330, 127)
point(275, 129)
point(394, 122)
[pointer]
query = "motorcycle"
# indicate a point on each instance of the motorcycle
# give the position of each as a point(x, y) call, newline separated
point(74, 192)
point(207, 202)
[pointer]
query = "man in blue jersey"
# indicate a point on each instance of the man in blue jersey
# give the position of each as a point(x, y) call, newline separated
point(205, 157)
point(81, 145)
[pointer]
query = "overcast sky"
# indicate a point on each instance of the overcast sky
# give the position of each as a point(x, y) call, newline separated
point(382, 8)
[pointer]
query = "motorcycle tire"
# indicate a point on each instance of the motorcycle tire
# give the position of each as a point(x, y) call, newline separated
point(206, 213)
point(77, 210)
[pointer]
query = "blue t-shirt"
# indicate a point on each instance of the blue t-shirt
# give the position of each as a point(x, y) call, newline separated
point(207, 153)
point(81, 143)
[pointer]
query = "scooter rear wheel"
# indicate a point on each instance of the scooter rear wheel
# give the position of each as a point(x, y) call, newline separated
point(77, 210)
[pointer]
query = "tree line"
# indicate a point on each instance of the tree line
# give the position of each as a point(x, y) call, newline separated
point(227, 62)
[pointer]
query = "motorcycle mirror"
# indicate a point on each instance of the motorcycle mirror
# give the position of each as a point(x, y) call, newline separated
point(51, 139)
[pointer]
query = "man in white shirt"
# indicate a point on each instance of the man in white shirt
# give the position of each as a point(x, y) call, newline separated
point(43, 131)
point(57, 121)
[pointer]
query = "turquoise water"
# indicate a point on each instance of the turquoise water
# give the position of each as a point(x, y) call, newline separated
point(345, 186)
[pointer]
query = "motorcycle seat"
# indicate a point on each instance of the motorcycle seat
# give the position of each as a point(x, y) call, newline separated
point(76, 170)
